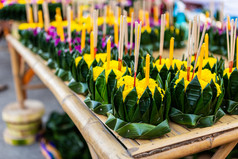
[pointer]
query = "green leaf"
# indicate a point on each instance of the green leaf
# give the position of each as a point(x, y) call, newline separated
point(117, 104)
point(193, 93)
point(145, 105)
point(130, 102)
point(203, 105)
point(233, 83)
point(178, 96)
point(184, 119)
point(232, 107)
point(101, 89)
point(78, 87)
point(157, 108)
point(91, 83)
point(103, 109)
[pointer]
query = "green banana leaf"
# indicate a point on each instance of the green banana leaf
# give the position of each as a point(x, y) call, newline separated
point(64, 75)
point(137, 130)
point(98, 107)
point(192, 120)
point(78, 87)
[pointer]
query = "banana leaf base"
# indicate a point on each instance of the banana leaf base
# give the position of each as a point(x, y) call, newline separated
point(64, 75)
point(193, 120)
point(230, 107)
point(137, 130)
point(98, 107)
point(78, 87)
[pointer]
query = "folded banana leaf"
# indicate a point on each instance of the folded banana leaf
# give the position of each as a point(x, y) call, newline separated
point(137, 130)
point(230, 103)
point(195, 107)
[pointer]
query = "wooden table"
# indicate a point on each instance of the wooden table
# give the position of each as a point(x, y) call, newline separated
point(105, 143)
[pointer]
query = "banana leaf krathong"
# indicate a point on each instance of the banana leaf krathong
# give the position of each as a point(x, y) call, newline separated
point(142, 115)
point(196, 103)
point(213, 64)
point(100, 89)
point(151, 37)
point(230, 103)
point(18, 11)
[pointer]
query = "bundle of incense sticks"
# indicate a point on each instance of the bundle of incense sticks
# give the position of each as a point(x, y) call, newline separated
point(137, 47)
point(162, 26)
point(231, 45)
point(131, 35)
point(189, 53)
point(104, 22)
point(196, 43)
point(95, 30)
point(126, 31)
point(121, 41)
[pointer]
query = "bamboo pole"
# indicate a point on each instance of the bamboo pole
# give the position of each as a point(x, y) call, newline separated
point(16, 75)
point(94, 132)
point(224, 150)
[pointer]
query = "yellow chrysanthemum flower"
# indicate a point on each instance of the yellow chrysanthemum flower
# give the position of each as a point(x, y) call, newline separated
point(206, 78)
point(77, 60)
point(25, 26)
point(128, 83)
point(99, 56)
point(114, 65)
point(166, 61)
point(226, 71)
point(98, 70)
point(145, 28)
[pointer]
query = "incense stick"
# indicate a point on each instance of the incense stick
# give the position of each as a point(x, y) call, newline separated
point(104, 22)
point(200, 45)
point(131, 36)
point(69, 25)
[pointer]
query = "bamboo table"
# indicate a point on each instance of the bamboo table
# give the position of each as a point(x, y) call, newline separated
point(105, 143)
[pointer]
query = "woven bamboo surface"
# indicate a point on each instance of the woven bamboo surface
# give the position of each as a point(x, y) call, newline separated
point(180, 142)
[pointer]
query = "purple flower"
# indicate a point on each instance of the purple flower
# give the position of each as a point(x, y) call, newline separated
point(47, 38)
point(59, 52)
point(78, 48)
point(57, 41)
point(77, 39)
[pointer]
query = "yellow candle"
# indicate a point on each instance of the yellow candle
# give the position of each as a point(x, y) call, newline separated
point(57, 27)
point(201, 61)
point(141, 15)
point(72, 15)
point(206, 46)
point(92, 45)
point(156, 12)
point(108, 53)
point(229, 23)
point(147, 73)
point(40, 17)
point(147, 19)
point(58, 11)
point(171, 51)
point(237, 52)
point(61, 29)
point(167, 19)
point(116, 33)
point(207, 14)
point(83, 35)
point(30, 15)
point(130, 11)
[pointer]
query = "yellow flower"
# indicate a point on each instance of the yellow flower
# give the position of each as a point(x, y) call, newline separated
point(99, 56)
point(177, 31)
point(156, 31)
point(128, 83)
point(206, 78)
point(226, 71)
point(166, 61)
point(25, 26)
point(145, 28)
point(77, 60)
point(98, 70)
point(114, 65)
point(207, 75)
point(172, 29)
